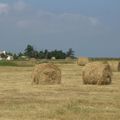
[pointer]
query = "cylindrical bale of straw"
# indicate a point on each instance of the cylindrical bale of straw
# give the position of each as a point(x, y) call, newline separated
point(82, 61)
point(97, 73)
point(115, 65)
point(46, 73)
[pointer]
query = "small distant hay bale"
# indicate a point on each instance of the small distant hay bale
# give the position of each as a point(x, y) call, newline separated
point(68, 59)
point(115, 65)
point(53, 58)
point(33, 59)
point(46, 73)
point(97, 73)
point(82, 61)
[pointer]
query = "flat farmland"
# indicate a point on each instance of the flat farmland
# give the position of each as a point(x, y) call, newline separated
point(71, 100)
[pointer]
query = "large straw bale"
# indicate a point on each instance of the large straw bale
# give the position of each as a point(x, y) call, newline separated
point(46, 73)
point(97, 73)
point(82, 61)
point(115, 65)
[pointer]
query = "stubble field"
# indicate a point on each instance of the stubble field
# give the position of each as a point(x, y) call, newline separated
point(71, 100)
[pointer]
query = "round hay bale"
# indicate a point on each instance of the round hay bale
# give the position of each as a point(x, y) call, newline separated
point(115, 65)
point(46, 73)
point(68, 59)
point(53, 58)
point(82, 61)
point(97, 73)
point(33, 59)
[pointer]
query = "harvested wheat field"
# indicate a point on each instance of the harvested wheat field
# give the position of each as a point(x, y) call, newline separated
point(70, 100)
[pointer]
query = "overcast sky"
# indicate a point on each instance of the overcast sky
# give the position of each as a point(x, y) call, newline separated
point(90, 27)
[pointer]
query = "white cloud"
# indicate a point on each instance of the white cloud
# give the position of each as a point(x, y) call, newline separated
point(47, 22)
point(24, 23)
point(4, 8)
point(20, 5)
point(68, 18)
point(94, 20)
point(17, 6)
point(44, 13)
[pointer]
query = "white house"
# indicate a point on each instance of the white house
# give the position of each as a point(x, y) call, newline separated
point(1, 58)
point(3, 52)
point(3, 55)
point(9, 57)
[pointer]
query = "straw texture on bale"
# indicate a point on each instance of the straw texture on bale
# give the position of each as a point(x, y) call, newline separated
point(82, 61)
point(53, 58)
point(68, 58)
point(115, 66)
point(97, 73)
point(46, 73)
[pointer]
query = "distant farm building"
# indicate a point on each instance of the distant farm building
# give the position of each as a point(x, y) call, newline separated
point(9, 57)
point(4, 56)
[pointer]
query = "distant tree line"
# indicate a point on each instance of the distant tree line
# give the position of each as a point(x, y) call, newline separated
point(103, 58)
point(30, 52)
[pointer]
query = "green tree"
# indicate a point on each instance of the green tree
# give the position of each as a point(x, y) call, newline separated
point(29, 51)
point(35, 54)
point(41, 55)
point(15, 56)
point(58, 54)
point(46, 52)
point(70, 53)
